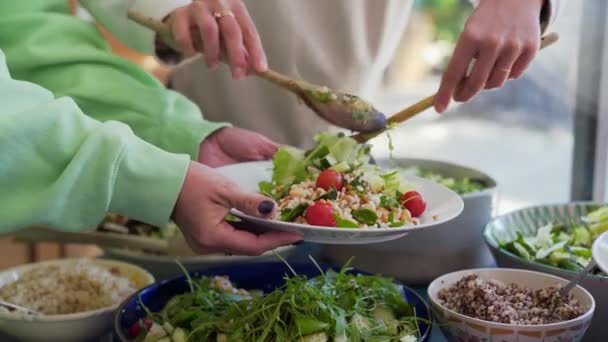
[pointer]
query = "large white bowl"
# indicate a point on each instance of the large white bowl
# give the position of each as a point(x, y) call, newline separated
point(443, 205)
point(423, 255)
point(458, 327)
point(527, 221)
point(82, 326)
point(163, 267)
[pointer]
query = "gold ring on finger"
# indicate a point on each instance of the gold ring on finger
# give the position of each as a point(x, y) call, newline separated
point(223, 13)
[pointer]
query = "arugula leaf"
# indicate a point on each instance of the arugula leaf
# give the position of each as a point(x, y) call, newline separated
point(331, 195)
point(345, 223)
point(365, 216)
point(290, 214)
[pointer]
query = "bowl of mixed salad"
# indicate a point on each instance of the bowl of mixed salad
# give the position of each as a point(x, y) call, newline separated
point(427, 254)
point(333, 194)
point(162, 266)
point(275, 302)
point(555, 239)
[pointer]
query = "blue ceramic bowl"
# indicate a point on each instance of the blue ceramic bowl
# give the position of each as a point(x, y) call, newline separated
point(264, 276)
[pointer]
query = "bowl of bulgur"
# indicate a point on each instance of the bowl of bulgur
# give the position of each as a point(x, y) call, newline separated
point(75, 298)
point(509, 305)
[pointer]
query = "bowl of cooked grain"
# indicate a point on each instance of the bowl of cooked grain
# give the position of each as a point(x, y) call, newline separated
point(75, 299)
point(509, 305)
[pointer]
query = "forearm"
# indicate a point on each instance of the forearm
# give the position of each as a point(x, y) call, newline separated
point(71, 58)
point(64, 169)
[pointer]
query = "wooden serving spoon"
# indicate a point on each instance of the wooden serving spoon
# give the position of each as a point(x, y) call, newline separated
point(427, 102)
point(343, 110)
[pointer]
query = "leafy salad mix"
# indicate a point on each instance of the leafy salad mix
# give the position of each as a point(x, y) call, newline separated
point(334, 306)
point(334, 185)
point(564, 245)
point(461, 186)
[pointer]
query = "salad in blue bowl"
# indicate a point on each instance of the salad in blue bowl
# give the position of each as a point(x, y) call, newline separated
point(275, 302)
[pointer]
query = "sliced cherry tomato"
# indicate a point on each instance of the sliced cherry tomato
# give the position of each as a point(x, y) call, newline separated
point(135, 330)
point(330, 179)
point(413, 202)
point(321, 214)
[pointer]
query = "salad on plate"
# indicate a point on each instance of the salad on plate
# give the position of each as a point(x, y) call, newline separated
point(566, 245)
point(335, 185)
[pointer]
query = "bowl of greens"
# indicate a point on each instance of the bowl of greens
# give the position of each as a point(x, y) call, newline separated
point(427, 254)
point(275, 302)
point(555, 239)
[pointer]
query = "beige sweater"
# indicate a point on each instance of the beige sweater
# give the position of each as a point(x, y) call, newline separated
point(343, 44)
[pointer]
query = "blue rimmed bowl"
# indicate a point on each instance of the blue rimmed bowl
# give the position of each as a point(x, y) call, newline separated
point(527, 221)
point(264, 276)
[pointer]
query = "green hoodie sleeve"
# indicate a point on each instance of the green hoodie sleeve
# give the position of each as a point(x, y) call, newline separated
point(61, 168)
point(46, 45)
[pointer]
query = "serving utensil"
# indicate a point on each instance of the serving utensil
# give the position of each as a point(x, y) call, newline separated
point(341, 109)
point(564, 291)
point(176, 245)
point(428, 102)
point(14, 307)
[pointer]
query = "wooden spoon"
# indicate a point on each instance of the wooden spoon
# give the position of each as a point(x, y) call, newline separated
point(427, 102)
point(343, 110)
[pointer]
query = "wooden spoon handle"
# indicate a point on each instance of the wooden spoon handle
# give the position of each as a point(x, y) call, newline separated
point(428, 102)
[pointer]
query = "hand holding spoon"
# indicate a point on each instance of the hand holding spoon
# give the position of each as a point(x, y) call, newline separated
point(343, 110)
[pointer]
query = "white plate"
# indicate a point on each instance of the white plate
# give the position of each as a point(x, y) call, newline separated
point(600, 252)
point(442, 203)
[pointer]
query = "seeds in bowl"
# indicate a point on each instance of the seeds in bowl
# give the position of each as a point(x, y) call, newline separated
point(493, 301)
point(68, 288)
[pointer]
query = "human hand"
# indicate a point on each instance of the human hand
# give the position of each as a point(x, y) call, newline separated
point(503, 37)
point(233, 145)
point(203, 203)
point(221, 26)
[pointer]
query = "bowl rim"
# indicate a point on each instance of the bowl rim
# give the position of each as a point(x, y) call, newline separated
point(492, 243)
point(149, 279)
point(437, 280)
point(142, 256)
point(492, 187)
point(215, 270)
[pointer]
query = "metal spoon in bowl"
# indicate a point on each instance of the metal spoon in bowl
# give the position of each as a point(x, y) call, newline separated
point(564, 291)
point(343, 110)
point(14, 307)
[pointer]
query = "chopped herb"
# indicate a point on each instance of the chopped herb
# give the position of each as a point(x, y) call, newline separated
point(345, 223)
point(331, 195)
point(388, 202)
point(365, 216)
point(290, 214)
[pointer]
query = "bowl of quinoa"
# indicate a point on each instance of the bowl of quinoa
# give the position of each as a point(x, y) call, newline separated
point(75, 299)
point(509, 305)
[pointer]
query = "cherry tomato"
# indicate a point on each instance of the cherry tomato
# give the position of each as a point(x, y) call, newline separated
point(135, 330)
point(321, 214)
point(330, 178)
point(413, 202)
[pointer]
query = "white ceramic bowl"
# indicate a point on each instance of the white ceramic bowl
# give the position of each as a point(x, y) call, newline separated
point(459, 327)
point(163, 267)
point(443, 205)
point(600, 252)
point(81, 326)
point(528, 220)
point(423, 255)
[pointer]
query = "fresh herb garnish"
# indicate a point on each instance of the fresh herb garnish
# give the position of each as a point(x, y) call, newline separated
point(344, 223)
point(365, 216)
point(389, 202)
point(331, 195)
point(290, 214)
